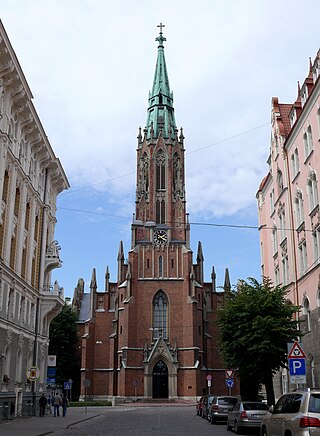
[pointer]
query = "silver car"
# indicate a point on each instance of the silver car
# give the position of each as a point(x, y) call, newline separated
point(245, 415)
point(295, 414)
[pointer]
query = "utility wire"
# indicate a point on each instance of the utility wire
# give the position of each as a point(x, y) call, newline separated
point(190, 152)
point(233, 226)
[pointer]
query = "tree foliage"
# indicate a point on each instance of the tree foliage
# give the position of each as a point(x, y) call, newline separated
point(256, 323)
point(63, 340)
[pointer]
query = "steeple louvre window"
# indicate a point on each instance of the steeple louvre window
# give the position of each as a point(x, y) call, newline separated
point(160, 266)
point(160, 212)
point(160, 171)
point(160, 309)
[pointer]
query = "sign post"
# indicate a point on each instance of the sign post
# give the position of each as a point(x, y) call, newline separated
point(229, 380)
point(209, 379)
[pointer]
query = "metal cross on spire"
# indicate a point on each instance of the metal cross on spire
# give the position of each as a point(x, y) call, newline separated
point(161, 38)
point(161, 26)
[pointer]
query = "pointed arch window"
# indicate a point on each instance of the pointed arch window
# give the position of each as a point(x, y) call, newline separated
point(160, 315)
point(160, 171)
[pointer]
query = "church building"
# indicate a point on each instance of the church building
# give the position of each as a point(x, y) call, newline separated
point(153, 333)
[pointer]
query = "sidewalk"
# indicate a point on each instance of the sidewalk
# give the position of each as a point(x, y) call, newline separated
point(36, 426)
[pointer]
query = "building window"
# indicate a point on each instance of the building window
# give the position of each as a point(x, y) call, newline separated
point(160, 170)
point(295, 163)
point(280, 182)
point(307, 142)
point(285, 270)
point(160, 307)
point(160, 266)
point(277, 276)
point(316, 244)
point(282, 224)
point(318, 118)
point(272, 201)
point(312, 190)
point(298, 203)
point(307, 313)
point(275, 240)
point(303, 257)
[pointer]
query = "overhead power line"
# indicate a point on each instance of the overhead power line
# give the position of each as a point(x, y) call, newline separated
point(229, 138)
point(204, 224)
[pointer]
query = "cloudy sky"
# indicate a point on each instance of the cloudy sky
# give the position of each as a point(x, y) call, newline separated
point(90, 66)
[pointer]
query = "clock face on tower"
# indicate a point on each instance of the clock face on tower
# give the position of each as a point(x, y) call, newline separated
point(160, 237)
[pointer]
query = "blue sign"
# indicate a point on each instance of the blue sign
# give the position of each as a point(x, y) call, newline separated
point(229, 383)
point(51, 381)
point(51, 373)
point(66, 386)
point(297, 366)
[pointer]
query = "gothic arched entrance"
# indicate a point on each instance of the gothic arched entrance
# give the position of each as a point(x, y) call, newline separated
point(160, 380)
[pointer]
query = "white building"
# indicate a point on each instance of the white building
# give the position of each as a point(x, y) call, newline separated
point(31, 177)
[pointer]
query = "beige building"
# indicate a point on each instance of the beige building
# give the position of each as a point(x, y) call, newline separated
point(31, 177)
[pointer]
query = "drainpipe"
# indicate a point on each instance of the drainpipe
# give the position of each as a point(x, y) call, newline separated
point(36, 332)
point(292, 233)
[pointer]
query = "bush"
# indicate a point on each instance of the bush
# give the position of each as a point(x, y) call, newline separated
point(89, 403)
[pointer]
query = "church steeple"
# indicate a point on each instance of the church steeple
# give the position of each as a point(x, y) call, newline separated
point(160, 111)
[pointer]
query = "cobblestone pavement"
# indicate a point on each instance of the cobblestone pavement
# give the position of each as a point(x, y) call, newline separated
point(133, 420)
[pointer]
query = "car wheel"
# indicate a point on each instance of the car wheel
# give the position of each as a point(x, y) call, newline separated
point(229, 428)
point(236, 428)
point(213, 421)
point(264, 432)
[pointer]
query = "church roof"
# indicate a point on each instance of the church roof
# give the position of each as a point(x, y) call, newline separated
point(160, 111)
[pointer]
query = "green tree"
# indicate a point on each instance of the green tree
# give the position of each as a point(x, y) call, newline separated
point(256, 323)
point(63, 344)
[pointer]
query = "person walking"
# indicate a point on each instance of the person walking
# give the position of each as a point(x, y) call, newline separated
point(42, 405)
point(56, 405)
point(49, 410)
point(65, 404)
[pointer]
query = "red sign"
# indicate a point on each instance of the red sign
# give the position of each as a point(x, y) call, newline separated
point(229, 373)
point(209, 377)
point(296, 352)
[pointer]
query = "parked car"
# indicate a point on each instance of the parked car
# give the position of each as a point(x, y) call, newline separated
point(206, 406)
point(220, 407)
point(245, 415)
point(295, 414)
point(199, 406)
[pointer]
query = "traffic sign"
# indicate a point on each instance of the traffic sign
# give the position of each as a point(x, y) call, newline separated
point(66, 386)
point(209, 383)
point(209, 377)
point(229, 382)
point(297, 366)
point(296, 352)
point(229, 373)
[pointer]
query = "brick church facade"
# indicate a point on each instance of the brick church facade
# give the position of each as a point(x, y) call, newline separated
point(153, 333)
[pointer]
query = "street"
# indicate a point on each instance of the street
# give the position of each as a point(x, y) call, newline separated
point(143, 421)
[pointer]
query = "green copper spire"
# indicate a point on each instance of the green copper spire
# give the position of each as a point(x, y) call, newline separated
point(160, 110)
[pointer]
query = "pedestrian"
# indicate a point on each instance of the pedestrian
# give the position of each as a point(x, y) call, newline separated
point(49, 410)
point(56, 405)
point(42, 405)
point(65, 405)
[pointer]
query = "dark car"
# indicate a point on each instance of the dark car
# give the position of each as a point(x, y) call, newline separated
point(245, 415)
point(199, 406)
point(220, 407)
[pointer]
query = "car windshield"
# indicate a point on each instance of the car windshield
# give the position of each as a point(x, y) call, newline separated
point(314, 404)
point(255, 406)
point(227, 401)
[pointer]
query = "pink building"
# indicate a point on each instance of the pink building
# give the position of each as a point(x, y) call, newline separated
point(289, 215)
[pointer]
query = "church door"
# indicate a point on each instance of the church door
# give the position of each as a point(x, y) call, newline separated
point(160, 380)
